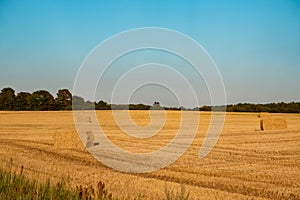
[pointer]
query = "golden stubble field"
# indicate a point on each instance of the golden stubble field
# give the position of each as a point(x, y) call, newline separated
point(246, 163)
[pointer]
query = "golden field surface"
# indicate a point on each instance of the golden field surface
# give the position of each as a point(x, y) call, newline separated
point(246, 163)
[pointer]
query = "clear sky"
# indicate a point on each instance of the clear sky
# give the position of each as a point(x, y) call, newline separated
point(255, 43)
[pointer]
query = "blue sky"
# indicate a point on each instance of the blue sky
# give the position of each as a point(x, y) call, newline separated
point(255, 43)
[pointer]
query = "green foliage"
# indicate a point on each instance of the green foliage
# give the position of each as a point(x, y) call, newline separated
point(17, 186)
point(80, 104)
point(102, 105)
point(156, 106)
point(43, 100)
point(13, 186)
point(293, 107)
point(23, 101)
point(63, 101)
point(139, 107)
point(7, 99)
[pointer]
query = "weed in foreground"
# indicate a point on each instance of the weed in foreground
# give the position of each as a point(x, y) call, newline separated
point(17, 186)
point(182, 194)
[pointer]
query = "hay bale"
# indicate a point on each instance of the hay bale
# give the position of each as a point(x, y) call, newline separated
point(273, 124)
point(68, 140)
point(264, 115)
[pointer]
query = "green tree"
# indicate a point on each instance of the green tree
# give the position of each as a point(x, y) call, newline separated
point(7, 99)
point(63, 100)
point(22, 101)
point(156, 106)
point(102, 105)
point(42, 100)
point(78, 103)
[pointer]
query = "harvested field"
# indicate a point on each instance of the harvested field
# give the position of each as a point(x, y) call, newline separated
point(68, 140)
point(246, 163)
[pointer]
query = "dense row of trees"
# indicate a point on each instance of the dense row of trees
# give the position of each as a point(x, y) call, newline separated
point(38, 100)
point(43, 100)
point(282, 107)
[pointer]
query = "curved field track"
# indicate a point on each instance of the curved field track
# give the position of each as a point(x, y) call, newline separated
point(246, 163)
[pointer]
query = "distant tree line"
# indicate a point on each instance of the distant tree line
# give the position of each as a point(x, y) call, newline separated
point(42, 100)
point(38, 100)
point(282, 107)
